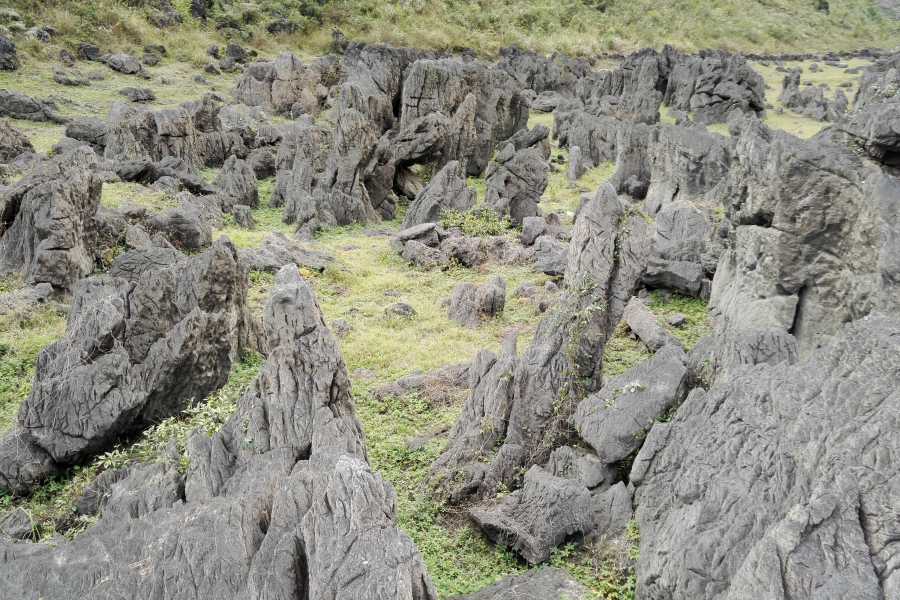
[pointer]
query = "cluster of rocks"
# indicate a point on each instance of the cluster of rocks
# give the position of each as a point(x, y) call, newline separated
point(811, 102)
point(804, 247)
point(233, 526)
point(775, 475)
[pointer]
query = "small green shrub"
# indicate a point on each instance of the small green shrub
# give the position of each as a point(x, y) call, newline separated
point(478, 221)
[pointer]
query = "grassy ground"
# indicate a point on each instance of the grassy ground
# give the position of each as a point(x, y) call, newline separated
point(573, 26)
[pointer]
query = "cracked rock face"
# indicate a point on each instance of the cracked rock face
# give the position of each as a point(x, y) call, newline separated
point(49, 230)
point(138, 347)
point(538, 517)
point(279, 503)
point(779, 482)
point(814, 238)
point(515, 183)
point(447, 189)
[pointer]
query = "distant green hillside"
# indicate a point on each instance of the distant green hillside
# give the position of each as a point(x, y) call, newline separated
point(572, 26)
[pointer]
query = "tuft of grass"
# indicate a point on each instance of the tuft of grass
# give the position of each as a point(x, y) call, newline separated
point(478, 221)
point(695, 311)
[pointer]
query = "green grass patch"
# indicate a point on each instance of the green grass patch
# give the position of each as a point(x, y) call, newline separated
point(695, 311)
point(23, 332)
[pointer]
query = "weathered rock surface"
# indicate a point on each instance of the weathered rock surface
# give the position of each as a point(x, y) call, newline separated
point(680, 235)
point(515, 183)
point(138, 94)
point(16, 105)
point(140, 345)
point(276, 251)
point(124, 63)
point(686, 164)
point(444, 85)
point(779, 465)
point(615, 419)
point(517, 399)
point(134, 132)
point(437, 385)
point(447, 189)
point(48, 230)
point(9, 60)
point(538, 517)
point(814, 238)
point(811, 102)
point(16, 525)
point(732, 349)
point(236, 184)
point(286, 81)
point(472, 304)
point(13, 142)
point(243, 217)
point(645, 325)
point(183, 227)
point(874, 121)
point(547, 582)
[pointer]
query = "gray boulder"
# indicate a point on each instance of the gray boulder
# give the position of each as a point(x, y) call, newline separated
point(552, 256)
point(788, 265)
point(285, 82)
point(183, 227)
point(133, 352)
point(472, 304)
point(49, 231)
point(236, 184)
point(816, 428)
point(444, 85)
point(421, 140)
point(419, 254)
point(17, 105)
point(88, 129)
point(138, 94)
point(9, 60)
point(13, 142)
point(680, 236)
point(134, 132)
point(424, 233)
point(447, 189)
point(16, 525)
point(124, 63)
point(645, 325)
point(582, 466)
point(686, 164)
point(546, 582)
point(532, 229)
point(276, 251)
point(576, 166)
point(873, 122)
point(540, 516)
point(615, 420)
point(514, 184)
point(242, 216)
point(87, 51)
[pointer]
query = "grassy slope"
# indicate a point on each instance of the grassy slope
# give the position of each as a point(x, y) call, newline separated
point(570, 26)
